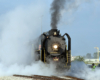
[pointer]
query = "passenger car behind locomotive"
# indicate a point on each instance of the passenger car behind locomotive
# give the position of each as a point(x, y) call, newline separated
point(53, 47)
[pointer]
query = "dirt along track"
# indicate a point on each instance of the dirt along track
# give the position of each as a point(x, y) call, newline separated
point(40, 77)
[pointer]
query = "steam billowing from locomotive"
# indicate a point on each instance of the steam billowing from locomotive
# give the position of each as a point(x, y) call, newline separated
point(56, 7)
point(53, 44)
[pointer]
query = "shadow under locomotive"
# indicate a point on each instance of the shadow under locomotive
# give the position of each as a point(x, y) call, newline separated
point(54, 48)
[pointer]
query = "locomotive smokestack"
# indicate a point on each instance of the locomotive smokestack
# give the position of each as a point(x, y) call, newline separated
point(56, 7)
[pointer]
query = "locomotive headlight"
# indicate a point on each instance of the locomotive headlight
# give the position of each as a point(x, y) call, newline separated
point(55, 46)
point(55, 33)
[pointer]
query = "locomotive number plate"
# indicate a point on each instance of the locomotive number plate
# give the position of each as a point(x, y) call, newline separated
point(55, 59)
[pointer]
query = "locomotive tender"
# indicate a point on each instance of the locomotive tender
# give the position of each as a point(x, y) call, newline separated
point(53, 47)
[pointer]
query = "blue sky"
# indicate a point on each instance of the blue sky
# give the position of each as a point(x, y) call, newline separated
point(82, 22)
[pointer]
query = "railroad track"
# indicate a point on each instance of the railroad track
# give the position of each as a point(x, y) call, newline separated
point(39, 77)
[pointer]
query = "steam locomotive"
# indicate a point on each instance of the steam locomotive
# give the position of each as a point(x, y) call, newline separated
point(54, 48)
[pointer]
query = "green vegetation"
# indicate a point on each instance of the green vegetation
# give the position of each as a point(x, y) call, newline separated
point(79, 58)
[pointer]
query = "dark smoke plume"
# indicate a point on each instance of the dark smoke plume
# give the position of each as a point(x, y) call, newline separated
point(56, 7)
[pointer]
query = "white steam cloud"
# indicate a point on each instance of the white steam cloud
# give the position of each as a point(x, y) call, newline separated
point(19, 28)
point(17, 31)
point(81, 70)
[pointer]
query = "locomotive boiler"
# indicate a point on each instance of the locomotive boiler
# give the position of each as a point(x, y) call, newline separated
point(53, 48)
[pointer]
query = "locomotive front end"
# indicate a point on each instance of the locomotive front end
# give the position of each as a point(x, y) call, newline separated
point(53, 47)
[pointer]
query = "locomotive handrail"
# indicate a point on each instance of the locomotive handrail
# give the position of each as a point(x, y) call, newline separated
point(69, 41)
point(45, 35)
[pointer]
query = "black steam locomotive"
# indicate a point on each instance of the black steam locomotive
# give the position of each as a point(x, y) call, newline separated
point(54, 48)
